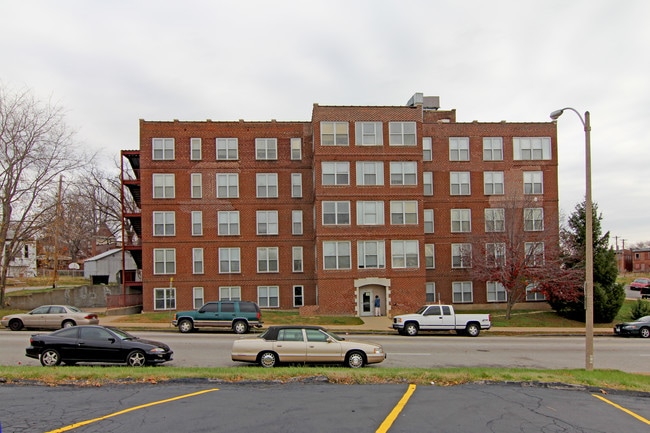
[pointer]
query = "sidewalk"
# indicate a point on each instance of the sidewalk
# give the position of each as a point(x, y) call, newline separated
point(371, 325)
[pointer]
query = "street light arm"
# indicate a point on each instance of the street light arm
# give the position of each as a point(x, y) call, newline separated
point(557, 113)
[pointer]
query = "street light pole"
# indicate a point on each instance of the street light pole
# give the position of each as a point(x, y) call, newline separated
point(589, 244)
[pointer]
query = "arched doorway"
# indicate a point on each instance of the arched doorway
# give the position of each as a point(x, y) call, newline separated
point(366, 291)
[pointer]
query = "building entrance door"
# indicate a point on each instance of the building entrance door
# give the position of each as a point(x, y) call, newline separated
point(366, 303)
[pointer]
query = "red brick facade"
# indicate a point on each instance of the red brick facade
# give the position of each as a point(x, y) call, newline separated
point(332, 276)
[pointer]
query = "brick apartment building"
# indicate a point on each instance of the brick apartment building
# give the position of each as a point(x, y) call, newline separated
point(361, 201)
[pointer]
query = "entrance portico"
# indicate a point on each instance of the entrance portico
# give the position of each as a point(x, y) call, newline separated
point(365, 291)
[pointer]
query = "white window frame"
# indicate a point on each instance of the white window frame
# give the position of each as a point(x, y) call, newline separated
point(266, 149)
point(461, 220)
point(230, 293)
point(531, 148)
point(197, 223)
point(402, 134)
point(164, 223)
point(266, 185)
point(459, 148)
point(534, 252)
point(405, 254)
point(336, 213)
point(228, 222)
point(429, 226)
point(492, 148)
point(533, 182)
point(268, 296)
point(227, 185)
point(430, 292)
point(164, 261)
point(366, 250)
point(532, 296)
point(162, 149)
point(198, 297)
point(227, 149)
point(427, 182)
point(370, 173)
point(495, 220)
point(229, 260)
point(403, 173)
point(427, 149)
point(495, 254)
point(370, 213)
point(403, 212)
point(461, 256)
point(334, 133)
point(196, 185)
point(296, 222)
point(296, 185)
point(165, 296)
point(495, 292)
point(198, 265)
point(462, 292)
point(493, 183)
point(164, 185)
point(534, 219)
point(268, 260)
point(195, 149)
point(296, 149)
point(369, 134)
point(337, 255)
point(267, 222)
point(335, 173)
point(297, 259)
point(298, 295)
point(460, 183)
point(429, 256)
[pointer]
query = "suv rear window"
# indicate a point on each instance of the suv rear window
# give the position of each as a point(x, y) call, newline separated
point(227, 307)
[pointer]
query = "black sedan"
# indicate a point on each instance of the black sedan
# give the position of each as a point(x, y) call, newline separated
point(640, 327)
point(95, 344)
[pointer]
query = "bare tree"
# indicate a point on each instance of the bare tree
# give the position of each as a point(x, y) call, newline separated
point(36, 148)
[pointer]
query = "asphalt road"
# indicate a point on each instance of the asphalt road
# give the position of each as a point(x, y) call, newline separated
point(212, 349)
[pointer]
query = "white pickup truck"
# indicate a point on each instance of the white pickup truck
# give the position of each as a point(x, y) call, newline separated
point(436, 317)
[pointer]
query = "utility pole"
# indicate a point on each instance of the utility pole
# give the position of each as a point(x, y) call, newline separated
point(57, 226)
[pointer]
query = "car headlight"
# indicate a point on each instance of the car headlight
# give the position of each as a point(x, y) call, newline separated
point(379, 350)
point(157, 350)
point(398, 319)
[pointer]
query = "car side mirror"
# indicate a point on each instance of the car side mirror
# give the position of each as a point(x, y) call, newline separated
point(112, 340)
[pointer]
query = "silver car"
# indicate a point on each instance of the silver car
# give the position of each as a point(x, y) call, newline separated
point(305, 344)
point(50, 317)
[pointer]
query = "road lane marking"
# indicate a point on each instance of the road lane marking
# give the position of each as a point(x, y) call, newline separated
point(392, 416)
point(131, 409)
point(627, 411)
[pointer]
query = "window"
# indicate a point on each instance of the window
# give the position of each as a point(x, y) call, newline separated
point(164, 223)
point(296, 222)
point(461, 256)
point(403, 173)
point(495, 254)
point(495, 220)
point(496, 292)
point(531, 148)
point(163, 149)
point(369, 134)
point(230, 293)
point(164, 261)
point(493, 182)
point(267, 222)
point(459, 148)
point(195, 149)
point(296, 259)
point(534, 219)
point(428, 182)
point(462, 292)
point(197, 223)
point(370, 173)
point(197, 260)
point(459, 183)
point(267, 185)
point(405, 254)
point(229, 260)
point(266, 149)
point(430, 290)
point(492, 149)
point(533, 294)
point(533, 182)
point(268, 296)
point(163, 186)
point(164, 298)
point(371, 255)
point(296, 149)
point(296, 185)
point(428, 221)
point(196, 185)
point(336, 213)
point(461, 220)
point(227, 149)
point(267, 259)
point(370, 213)
point(336, 173)
point(298, 296)
point(198, 298)
point(427, 149)
point(430, 256)
point(403, 212)
point(334, 134)
point(227, 185)
point(402, 133)
point(336, 255)
point(534, 253)
point(228, 223)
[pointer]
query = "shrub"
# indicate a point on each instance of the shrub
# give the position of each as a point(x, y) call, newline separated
point(640, 308)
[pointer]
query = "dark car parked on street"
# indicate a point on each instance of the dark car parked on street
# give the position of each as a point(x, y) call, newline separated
point(640, 327)
point(90, 343)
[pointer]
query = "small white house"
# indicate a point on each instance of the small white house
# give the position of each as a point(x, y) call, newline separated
point(104, 267)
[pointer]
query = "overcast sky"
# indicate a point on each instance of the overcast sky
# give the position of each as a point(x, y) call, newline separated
point(110, 63)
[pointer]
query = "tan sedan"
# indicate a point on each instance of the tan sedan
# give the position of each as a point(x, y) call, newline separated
point(305, 344)
point(50, 317)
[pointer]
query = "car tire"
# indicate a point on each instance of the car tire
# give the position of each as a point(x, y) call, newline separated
point(355, 359)
point(185, 326)
point(268, 359)
point(411, 329)
point(16, 325)
point(50, 358)
point(644, 332)
point(68, 324)
point(240, 327)
point(136, 358)
point(473, 330)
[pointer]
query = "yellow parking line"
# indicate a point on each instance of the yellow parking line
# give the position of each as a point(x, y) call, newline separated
point(392, 416)
point(111, 415)
point(627, 411)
